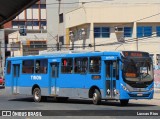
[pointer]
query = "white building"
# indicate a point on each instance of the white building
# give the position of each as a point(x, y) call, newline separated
point(56, 10)
point(30, 44)
point(109, 25)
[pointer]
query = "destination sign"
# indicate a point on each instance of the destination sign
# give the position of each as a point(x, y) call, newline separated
point(135, 54)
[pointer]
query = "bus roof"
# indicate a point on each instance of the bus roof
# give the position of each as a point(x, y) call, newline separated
point(62, 55)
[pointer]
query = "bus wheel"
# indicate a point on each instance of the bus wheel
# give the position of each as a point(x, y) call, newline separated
point(96, 97)
point(124, 102)
point(37, 95)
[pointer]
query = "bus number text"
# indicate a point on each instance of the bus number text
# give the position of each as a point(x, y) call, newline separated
point(36, 77)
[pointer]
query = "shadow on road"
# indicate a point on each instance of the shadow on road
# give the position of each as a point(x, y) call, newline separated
point(80, 101)
point(28, 99)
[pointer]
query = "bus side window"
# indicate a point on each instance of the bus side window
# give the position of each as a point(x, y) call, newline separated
point(95, 65)
point(81, 65)
point(67, 65)
point(77, 62)
point(28, 66)
point(84, 65)
point(108, 69)
point(41, 66)
point(37, 66)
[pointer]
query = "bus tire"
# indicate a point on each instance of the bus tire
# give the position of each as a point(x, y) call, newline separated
point(124, 102)
point(96, 97)
point(37, 95)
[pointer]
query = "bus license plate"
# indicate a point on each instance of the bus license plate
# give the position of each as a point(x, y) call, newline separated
point(139, 94)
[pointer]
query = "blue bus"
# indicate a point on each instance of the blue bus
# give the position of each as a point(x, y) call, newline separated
point(120, 75)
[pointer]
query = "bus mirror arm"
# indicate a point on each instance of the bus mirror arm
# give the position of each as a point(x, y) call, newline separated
point(118, 59)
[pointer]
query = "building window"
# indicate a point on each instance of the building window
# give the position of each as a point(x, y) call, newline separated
point(43, 23)
point(127, 31)
point(144, 31)
point(158, 31)
point(35, 23)
point(35, 6)
point(101, 32)
point(21, 23)
point(29, 23)
point(61, 18)
point(43, 6)
point(61, 39)
point(15, 24)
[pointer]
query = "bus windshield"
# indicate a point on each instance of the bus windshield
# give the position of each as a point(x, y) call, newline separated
point(138, 69)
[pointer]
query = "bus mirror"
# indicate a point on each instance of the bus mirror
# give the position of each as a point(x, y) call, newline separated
point(122, 66)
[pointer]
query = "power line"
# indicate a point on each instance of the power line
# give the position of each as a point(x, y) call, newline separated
point(126, 41)
point(78, 2)
point(82, 46)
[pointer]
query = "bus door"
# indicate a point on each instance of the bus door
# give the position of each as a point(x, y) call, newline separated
point(54, 74)
point(16, 75)
point(111, 82)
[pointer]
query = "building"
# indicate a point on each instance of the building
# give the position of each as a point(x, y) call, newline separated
point(110, 25)
point(30, 44)
point(32, 18)
point(56, 11)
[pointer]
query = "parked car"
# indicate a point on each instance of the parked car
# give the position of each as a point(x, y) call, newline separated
point(1, 81)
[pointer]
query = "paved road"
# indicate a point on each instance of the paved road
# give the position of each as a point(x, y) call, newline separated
point(22, 102)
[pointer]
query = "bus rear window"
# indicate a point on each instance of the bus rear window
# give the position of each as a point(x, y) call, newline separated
point(8, 67)
point(28, 66)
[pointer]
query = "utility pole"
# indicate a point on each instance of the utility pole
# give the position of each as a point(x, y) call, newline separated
point(137, 43)
point(94, 44)
point(59, 8)
point(57, 43)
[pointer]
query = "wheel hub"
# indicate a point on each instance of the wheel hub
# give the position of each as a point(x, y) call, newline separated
point(36, 95)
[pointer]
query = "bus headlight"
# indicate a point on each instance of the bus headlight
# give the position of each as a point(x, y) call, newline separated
point(151, 89)
point(124, 87)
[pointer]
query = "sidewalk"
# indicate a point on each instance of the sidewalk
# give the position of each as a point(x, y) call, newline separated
point(157, 94)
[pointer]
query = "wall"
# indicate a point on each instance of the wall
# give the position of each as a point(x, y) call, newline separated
point(127, 13)
point(55, 28)
point(15, 40)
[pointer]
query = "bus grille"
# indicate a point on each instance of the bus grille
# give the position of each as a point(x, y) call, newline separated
point(135, 95)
